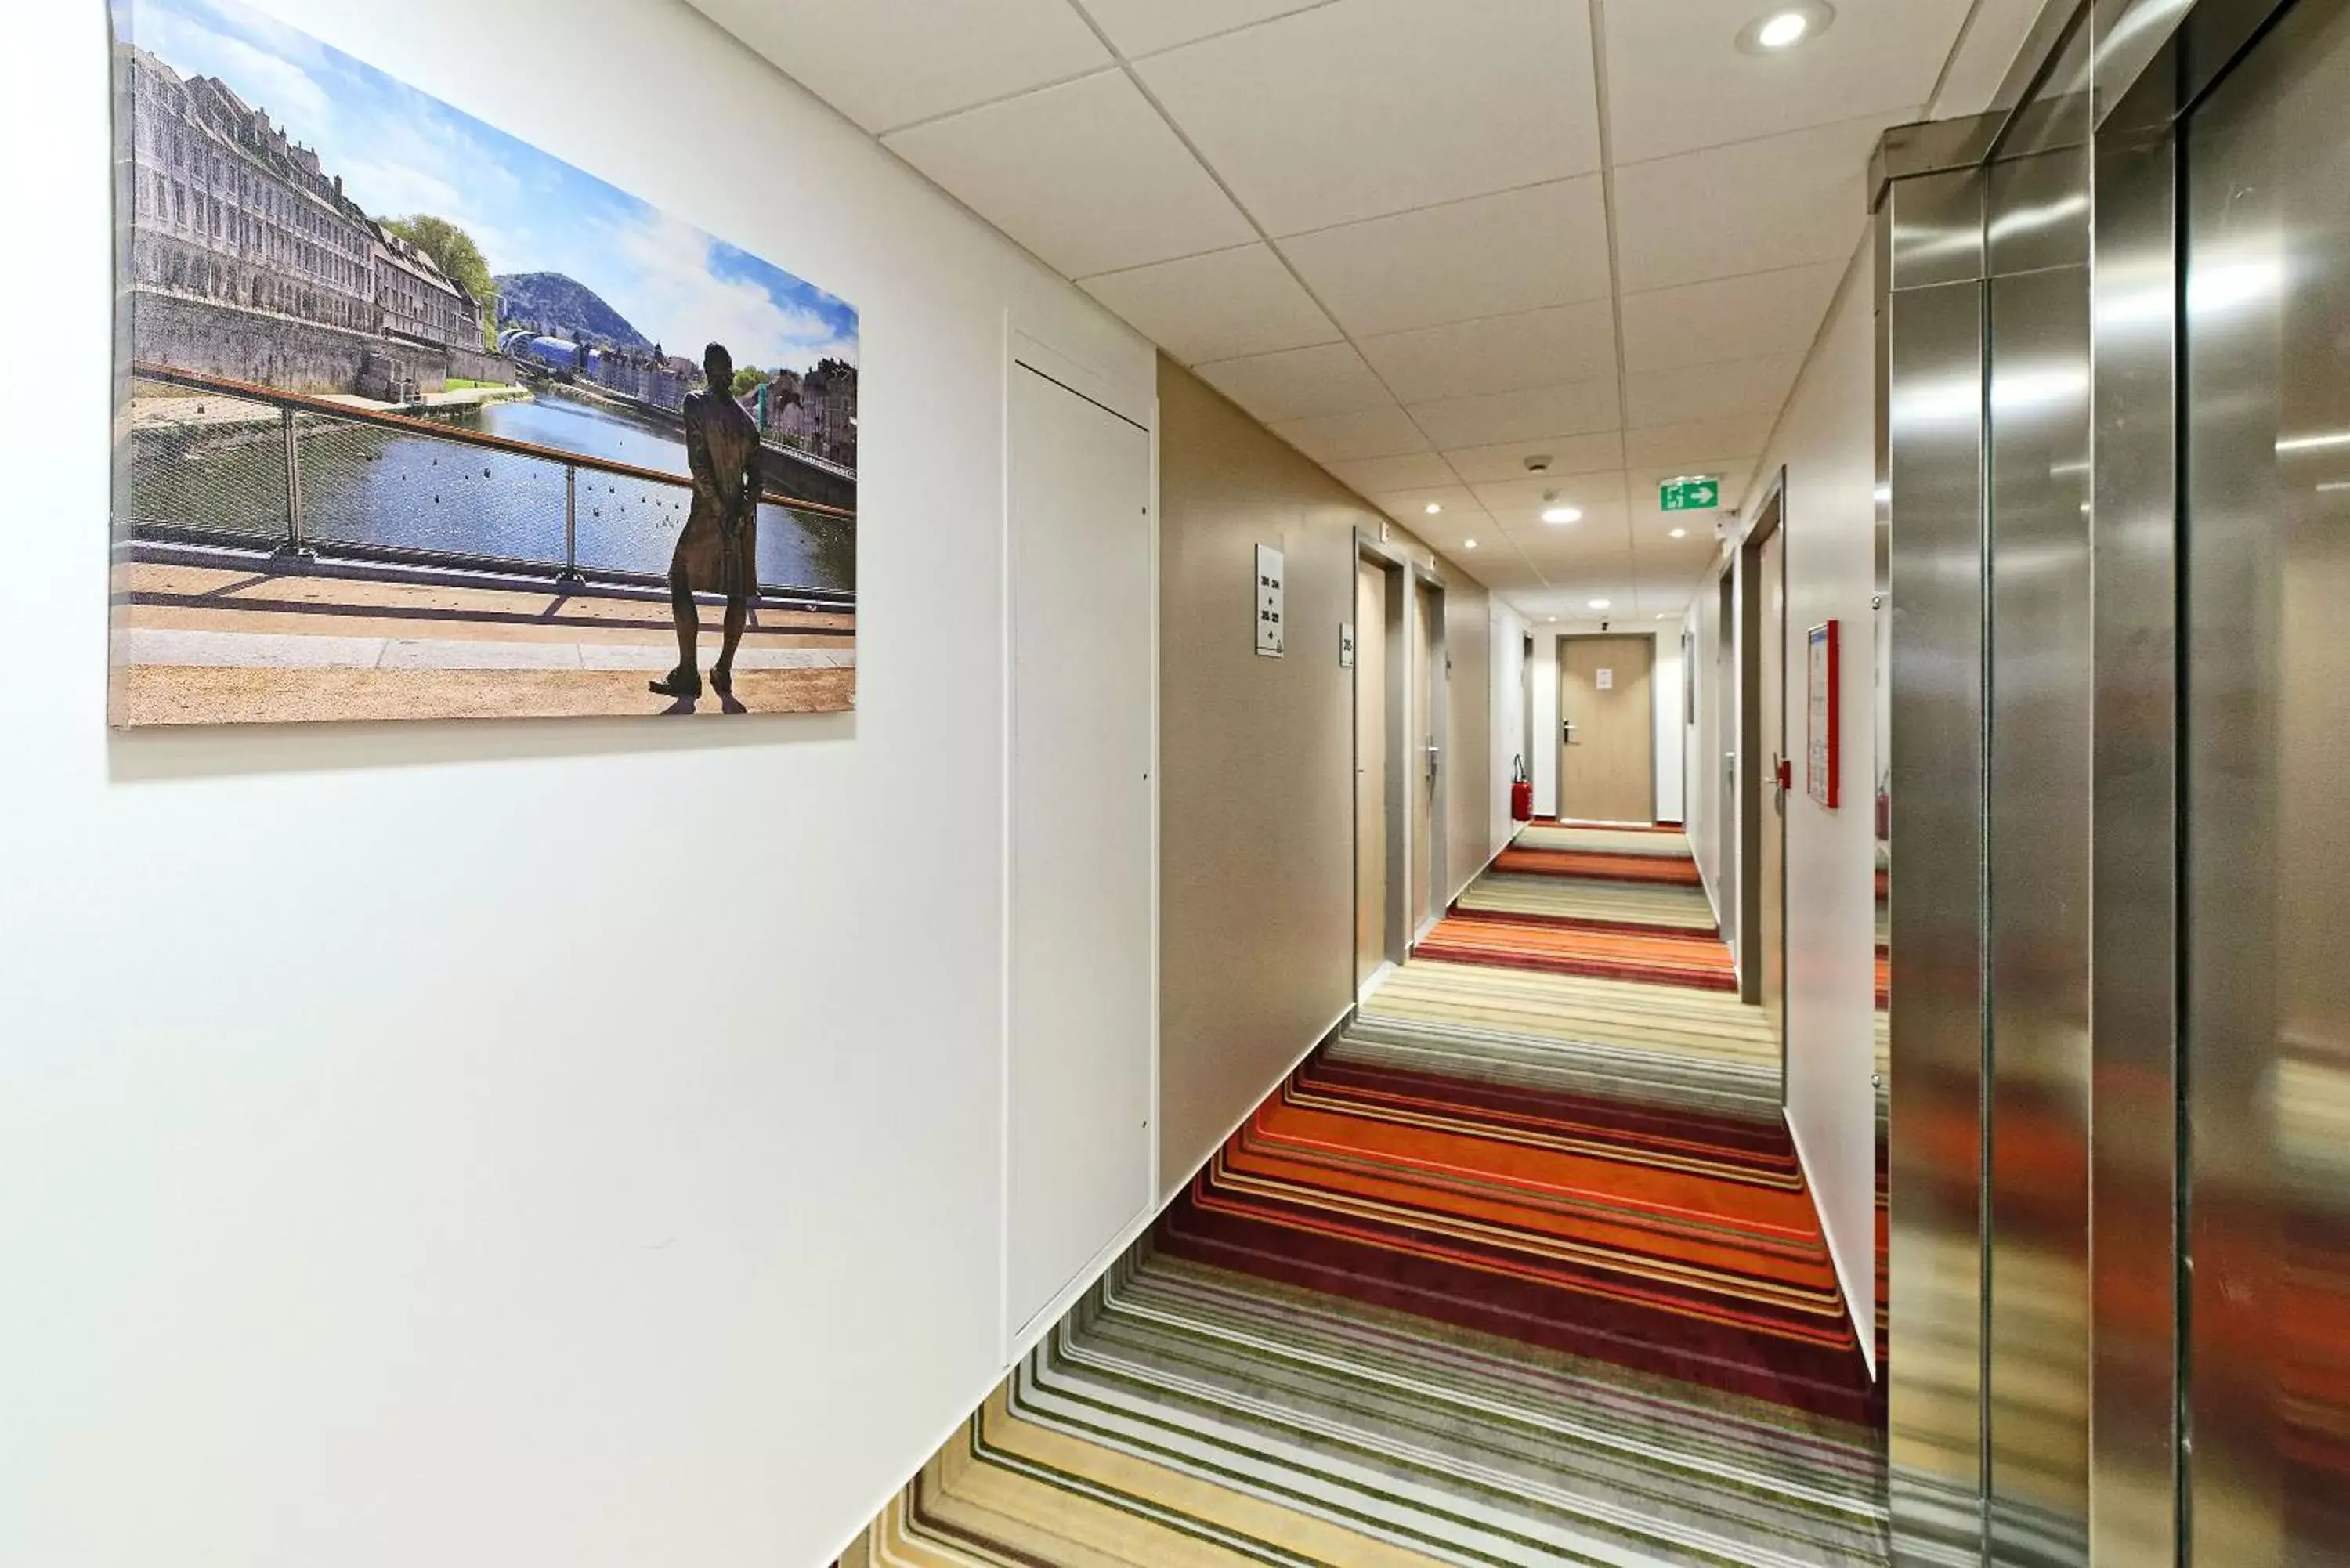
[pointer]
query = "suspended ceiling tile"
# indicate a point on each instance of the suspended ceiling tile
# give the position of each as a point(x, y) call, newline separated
point(1299, 383)
point(889, 63)
point(1500, 353)
point(1777, 203)
point(1520, 502)
point(1505, 573)
point(1139, 27)
point(1221, 306)
point(1569, 456)
point(1493, 256)
point(1409, 507)
point(1641, 482)
point(1995, 34)
point(1368, 106)
point(1749, 316)
point(1678, 81)
point(1348, 438)
point(1691, 392)
point(1386, 475)
point(1675, 446)
point(1085, 174)
point(1599, 536)
point(1577, 408)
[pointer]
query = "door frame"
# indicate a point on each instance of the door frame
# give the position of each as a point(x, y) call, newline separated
point(1437, 731)
point(1395, 671)
point(1559, 676)
point(1753, 769)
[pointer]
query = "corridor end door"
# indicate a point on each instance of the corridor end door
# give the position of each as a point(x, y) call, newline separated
point(1080, 976)
point(1370, 770)
point(1608, 729)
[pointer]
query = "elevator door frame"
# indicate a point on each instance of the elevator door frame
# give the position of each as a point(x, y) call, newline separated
point(2145, 65)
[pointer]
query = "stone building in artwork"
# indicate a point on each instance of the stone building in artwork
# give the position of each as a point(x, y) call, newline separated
point(246, 260)
point(817, 413)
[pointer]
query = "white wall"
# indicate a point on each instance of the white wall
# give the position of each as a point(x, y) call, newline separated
point(1827, 439)
point(510, 1143)
point(1711, 839)
point(1665, 684)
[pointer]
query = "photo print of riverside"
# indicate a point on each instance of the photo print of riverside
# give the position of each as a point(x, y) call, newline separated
point(415, 421)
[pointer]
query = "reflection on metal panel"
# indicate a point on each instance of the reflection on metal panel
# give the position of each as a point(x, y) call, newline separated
point(1935, 467)
point(2267, 801)
point(2038, 917)
point(2042, 681)
point(1935, 229)
point(2133, 1136)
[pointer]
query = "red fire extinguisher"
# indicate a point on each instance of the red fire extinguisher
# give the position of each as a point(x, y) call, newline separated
point(1522, 792)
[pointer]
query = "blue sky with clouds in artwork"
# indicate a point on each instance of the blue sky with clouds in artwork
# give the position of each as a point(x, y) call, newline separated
point(400, 151)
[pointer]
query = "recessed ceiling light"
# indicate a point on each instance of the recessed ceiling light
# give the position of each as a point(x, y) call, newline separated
point(1433, 508)
point(1468, 543)
point(1562, 515)
point(1663, 616)
point(1776, 32)
point(1681, 533)
point(1598, 604)
point(1552, 619)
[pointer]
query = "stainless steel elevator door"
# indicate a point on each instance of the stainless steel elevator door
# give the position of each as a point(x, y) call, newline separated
point(2266, 797)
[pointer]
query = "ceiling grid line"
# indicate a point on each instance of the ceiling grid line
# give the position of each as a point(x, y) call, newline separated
point(1345, 333)
point(1599, 87)
point(1450, 217)
point(1000, 100)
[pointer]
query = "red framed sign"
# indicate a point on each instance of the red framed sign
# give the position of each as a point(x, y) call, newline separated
point(1824, 753)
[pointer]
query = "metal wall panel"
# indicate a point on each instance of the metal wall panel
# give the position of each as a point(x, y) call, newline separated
point(2266, 800)
point(2134, 1106)
point(2039, 918)
point(1935, 363)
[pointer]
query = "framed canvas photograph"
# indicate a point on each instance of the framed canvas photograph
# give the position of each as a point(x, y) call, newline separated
point(414, 421)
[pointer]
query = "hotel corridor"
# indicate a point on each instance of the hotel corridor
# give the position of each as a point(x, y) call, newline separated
point(1518, 1267)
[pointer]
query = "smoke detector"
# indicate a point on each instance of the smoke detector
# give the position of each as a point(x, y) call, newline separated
point(1538, 464)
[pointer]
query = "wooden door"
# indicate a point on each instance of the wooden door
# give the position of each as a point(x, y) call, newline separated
point(1607, 739)
point(1370, 770)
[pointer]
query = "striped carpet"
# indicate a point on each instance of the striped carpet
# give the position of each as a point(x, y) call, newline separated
point(1608, 903)
point(1516, 1269)
point(1594, 901)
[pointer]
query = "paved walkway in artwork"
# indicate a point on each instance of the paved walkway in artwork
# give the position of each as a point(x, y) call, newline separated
point(203, 644)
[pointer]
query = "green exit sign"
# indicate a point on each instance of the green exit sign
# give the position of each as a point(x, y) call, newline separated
point(1689, 494)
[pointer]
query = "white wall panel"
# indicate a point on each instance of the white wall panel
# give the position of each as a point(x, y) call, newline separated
point(1827, 443)
point(504, 1143)
point(1084, 730)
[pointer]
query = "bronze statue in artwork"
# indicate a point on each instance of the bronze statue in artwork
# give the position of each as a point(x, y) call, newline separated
point(718, 551)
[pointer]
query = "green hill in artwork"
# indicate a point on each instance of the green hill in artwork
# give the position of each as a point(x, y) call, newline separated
point(566, 308)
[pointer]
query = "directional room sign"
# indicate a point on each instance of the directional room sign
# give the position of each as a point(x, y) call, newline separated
point(1689, 493)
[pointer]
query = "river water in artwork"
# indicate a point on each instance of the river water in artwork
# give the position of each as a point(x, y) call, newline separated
point(223, 467)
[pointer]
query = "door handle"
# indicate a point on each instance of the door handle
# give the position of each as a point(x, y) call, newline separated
point(1567, 737)
point(1433, 753)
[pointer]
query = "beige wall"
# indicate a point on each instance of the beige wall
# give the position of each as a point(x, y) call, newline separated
point(1256, 799)
point(1467, 744)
